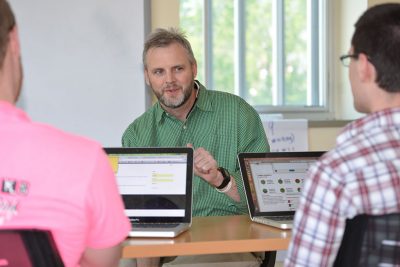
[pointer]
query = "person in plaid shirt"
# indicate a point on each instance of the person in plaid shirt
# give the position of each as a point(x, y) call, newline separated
point(361, 175)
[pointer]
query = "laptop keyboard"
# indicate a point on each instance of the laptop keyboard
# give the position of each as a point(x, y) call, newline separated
point(154, 225)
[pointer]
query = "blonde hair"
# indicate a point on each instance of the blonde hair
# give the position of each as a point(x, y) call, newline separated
point(165, 37)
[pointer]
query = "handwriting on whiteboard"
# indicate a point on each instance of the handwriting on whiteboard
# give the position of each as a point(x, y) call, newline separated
point(287, 135)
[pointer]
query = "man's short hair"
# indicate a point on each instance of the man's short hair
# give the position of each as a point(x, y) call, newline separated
point(7, 23)
point(377, 34)
point(165, 37)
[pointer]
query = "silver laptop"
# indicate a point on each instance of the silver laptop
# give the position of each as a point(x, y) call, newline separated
point(273, 184)
point(156, 188)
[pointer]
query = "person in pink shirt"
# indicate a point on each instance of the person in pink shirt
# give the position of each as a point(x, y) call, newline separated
point(53, 180)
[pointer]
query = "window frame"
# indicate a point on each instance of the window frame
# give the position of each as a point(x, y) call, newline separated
point(321, 76)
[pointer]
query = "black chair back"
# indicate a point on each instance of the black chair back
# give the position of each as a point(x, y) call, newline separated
point(28, 248)
point(370, 241)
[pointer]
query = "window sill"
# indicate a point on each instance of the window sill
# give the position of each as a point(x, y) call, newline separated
point(327, 123)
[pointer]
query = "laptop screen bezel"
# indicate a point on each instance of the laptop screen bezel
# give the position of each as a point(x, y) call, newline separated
point(189, 179)
point(242, 157)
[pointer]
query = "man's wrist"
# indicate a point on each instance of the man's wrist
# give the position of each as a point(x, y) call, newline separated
point(226, 178)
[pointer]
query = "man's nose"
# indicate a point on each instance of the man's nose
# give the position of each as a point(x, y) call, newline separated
point(170, 77)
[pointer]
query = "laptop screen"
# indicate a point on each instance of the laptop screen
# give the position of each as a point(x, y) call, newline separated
point(155, 183)
point(274, 181)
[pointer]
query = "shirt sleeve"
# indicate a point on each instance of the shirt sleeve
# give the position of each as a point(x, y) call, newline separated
point(319, 224)
point(251, 133)
point(128, 138)
point(108, 224)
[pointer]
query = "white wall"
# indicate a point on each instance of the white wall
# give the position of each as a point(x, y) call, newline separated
point(82, 64)
point(345, 14)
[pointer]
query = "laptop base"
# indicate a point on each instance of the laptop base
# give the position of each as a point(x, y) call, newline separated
point(285, 225)
point(159, 232)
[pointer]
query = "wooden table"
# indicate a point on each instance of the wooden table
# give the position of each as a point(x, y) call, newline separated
point(212, 235)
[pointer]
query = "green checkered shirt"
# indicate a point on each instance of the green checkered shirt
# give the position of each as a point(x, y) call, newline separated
point(221, 123)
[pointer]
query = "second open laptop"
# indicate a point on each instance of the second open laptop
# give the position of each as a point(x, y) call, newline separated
point(156, 188)
point(273, 184)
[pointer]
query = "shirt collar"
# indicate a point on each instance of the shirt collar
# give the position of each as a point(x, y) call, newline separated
point(203, 102)
point(159, 112)
point(384, 118)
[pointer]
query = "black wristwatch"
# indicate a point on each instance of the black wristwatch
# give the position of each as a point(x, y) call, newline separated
point(227, 177)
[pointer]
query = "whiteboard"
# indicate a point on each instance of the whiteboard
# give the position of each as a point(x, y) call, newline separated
point(82, 64)
point(287, 135)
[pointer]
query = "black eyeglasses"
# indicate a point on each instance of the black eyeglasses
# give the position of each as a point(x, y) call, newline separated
point(345, 59)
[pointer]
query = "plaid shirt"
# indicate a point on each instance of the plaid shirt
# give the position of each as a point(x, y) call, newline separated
point(360, 176)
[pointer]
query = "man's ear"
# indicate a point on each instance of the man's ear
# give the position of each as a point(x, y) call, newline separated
point(14, 42)
point(365, 68)
point(194, 68)
point(146, 76)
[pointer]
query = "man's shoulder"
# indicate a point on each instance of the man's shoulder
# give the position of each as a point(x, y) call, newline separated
point(225, 98)
point(51, 136)
point(220, 95)
point(224, 95)
point(228, 104)
point(339, 159)
point(63, 149)
point(139, 131)
point(147, 117)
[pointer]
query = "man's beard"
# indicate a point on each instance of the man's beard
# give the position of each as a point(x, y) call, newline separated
point(175, 102)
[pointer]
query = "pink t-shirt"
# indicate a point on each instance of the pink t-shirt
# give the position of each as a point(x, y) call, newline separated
point(53, 180)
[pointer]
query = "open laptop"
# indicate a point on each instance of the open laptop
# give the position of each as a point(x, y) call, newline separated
point(156, 188)
point(273, 184)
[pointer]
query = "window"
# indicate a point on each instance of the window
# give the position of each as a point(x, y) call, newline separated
point(270, 52)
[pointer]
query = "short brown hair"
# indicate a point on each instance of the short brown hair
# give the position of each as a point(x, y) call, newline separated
point(377, 34)
point(165, 37)
point(7, 23)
